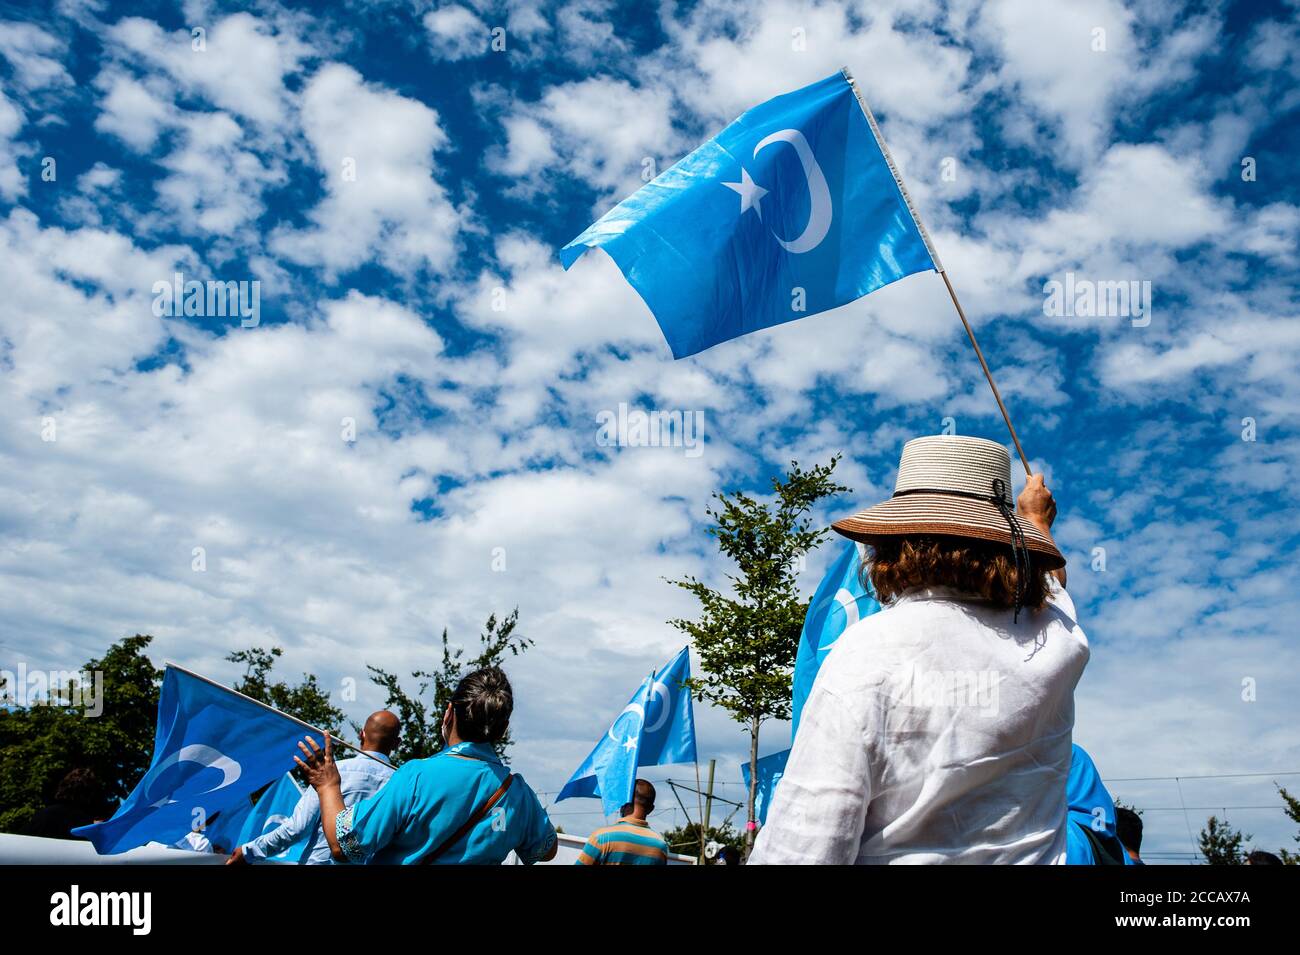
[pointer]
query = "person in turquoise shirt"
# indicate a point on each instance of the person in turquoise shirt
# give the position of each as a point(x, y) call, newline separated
point(460, 807)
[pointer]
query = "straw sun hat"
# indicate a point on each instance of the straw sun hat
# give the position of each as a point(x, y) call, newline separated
point(955, 486)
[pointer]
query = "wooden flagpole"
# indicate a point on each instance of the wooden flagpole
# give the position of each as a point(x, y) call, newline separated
point(938, 265)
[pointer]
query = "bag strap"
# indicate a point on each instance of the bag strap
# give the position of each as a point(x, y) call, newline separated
point(1103, 853)
point(471, 822)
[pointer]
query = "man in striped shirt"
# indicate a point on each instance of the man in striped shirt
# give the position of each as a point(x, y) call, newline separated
point(630, 841)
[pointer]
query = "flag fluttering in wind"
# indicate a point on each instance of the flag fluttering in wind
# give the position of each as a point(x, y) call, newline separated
point(839, 602)
point(793, 209)
point(213, 748)
point(657, 727)
point(770, 770)
point(273, 809)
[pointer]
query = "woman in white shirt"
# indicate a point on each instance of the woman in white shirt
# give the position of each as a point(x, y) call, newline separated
point(939, 729)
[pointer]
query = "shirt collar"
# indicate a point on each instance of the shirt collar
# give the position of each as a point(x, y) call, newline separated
point(483, 751)
point(937, 593)
point(633, 821)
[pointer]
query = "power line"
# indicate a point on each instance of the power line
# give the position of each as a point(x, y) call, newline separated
point(1209, 808)
point(1147, 779)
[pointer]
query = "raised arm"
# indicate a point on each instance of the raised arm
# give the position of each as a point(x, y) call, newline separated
point(1037, 506)
point(323, 776)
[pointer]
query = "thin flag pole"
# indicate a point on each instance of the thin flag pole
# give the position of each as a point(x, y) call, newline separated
point(938, 265)
point(699, 799)
point(267, 706)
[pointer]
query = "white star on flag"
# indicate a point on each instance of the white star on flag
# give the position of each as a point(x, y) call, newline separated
point(751, 193)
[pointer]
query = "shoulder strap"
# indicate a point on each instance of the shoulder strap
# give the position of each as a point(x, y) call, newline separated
point(1103, 853)
point(471, 822)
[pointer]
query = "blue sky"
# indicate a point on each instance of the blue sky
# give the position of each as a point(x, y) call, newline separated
point(422, 299)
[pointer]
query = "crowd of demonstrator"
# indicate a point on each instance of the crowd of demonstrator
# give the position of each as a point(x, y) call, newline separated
point(882, 770)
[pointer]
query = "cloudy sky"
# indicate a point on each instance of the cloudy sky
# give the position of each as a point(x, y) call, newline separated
point(398, 185)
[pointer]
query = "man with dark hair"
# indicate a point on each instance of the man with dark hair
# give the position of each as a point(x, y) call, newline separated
point(1128, 826)
point(630, 841)
point(462, 806)
point(1260, 857)
point(360, 776)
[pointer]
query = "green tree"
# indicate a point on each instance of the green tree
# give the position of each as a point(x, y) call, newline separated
point(1221, 844)
point(40, 744)
point(686, 839)
point(747, 641)
point(307, 701)
point(1291, 806)
point(421, 722)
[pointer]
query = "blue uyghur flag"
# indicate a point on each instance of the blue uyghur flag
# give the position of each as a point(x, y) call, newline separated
point(212, 749)
point(223, 829)
point(770, 770)
point(1091, 807)
point(791, 210)
point(839, 603)
point(660, 718)
point(274, 808)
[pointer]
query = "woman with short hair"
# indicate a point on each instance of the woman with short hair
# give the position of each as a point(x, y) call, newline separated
point(939, 729)
point(460, 806)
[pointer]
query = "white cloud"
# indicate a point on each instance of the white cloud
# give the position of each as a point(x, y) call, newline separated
point(455, 33)
point(135, 112)
point(374, 150)
point(12, 183)
point(241, 66)
point(605, 132)
point(214, 180)
point(35, 55)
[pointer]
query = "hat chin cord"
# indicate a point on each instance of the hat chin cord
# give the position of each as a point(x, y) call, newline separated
point(1019, 548)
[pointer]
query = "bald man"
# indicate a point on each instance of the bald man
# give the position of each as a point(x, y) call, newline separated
point(361, 776)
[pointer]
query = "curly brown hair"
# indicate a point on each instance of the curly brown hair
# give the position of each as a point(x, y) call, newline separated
point(983, 568)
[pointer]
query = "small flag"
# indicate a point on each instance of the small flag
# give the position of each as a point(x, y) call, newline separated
point(273, 809)
point(657, 727)
point(212, 749)
point(793, 209)
point(839, 603)
point(770, 770)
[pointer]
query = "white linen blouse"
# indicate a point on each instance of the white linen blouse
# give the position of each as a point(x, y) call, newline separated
point(937, 731)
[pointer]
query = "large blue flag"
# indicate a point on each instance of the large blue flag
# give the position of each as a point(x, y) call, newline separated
point(273, 809)
point(212, 749)
point(791, 210)
point(657, 727)
point(839, 602)
point(770, 770)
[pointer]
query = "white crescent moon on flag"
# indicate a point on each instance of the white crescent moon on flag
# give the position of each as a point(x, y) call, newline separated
point(819, 194)
point(850, 605)
point(659, 688)
point(204, 756)
point(630, 708)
